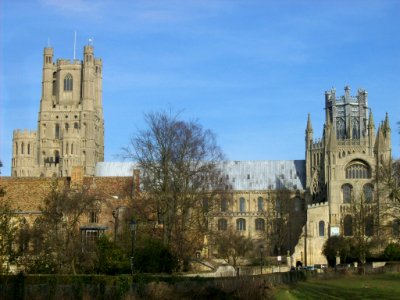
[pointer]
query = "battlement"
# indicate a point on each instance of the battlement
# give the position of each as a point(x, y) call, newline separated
point(24, 134)
point(62, 61)
point(316, 205)
point(98, 61)
point(361, 97)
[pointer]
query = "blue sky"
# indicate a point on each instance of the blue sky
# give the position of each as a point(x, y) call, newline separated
point(248, 70)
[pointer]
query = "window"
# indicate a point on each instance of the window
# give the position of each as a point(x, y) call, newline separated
point(93, 217)
point(222, 224)
point(347, 191)
point(16, 148)
point(76, 125)
point(356, 129)
point(57, 156)
point(348, 225)
point(368, 193)
point(260, 204)
point(66, 126)
point(241, 224)
point(90, 237)
point(29, 149)
point(22, 148)
point(341, 129)
point(369, 226)
point(321, 227)
point(396, 228)
point(57, 131)
point(278, 205)
point(224, 204)
point(205, 205)
point(297, 204)
point(68, 83)
point(260, 224)
point(358, 170)
point(242, 205)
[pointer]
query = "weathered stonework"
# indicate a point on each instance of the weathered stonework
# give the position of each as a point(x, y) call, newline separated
point(70, 125)
point(340, 169)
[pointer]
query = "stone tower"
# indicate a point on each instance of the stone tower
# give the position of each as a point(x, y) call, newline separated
point(70, 125)
point(340, 167)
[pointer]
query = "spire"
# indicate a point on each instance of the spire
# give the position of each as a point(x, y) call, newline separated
point(378, 140)
point(309, 126)
point(371, 120)
point(387, 125)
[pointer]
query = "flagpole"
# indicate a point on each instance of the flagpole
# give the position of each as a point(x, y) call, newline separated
point(74, 44)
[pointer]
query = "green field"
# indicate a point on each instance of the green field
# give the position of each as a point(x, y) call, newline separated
point(383, 286)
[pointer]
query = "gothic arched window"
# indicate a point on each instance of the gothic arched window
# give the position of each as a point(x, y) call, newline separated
point(347, 191)
point(368, 193)
point(321, 228)
point(222, 224)
point(358, 170)
point(356, 129)
point(260, 204)
point(260, 224)
point(341, 129)
point(68, 83)
point(348, 225)
point(242, 205)
point(241, 224)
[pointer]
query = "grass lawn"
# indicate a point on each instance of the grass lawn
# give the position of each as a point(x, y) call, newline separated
point(383, 286)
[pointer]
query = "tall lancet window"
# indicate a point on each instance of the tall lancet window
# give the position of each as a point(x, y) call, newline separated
point(356, 128)
point(68, 83)
point(341, 128)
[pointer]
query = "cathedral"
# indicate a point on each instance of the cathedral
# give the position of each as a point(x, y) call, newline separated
point(300, 203)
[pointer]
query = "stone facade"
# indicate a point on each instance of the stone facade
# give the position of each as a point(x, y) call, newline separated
point(340, 169)
point(70, 126)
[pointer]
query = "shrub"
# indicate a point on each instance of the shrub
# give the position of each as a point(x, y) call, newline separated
point(154, 257)
point(392, 252)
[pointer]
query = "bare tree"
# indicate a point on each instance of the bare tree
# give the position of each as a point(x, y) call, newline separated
point(364, 213)
point(277, 234)
point(231, 245)
point(388, 180)
point(180, 164)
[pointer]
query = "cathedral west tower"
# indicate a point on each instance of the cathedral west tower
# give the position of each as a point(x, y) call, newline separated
point(70, 122)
